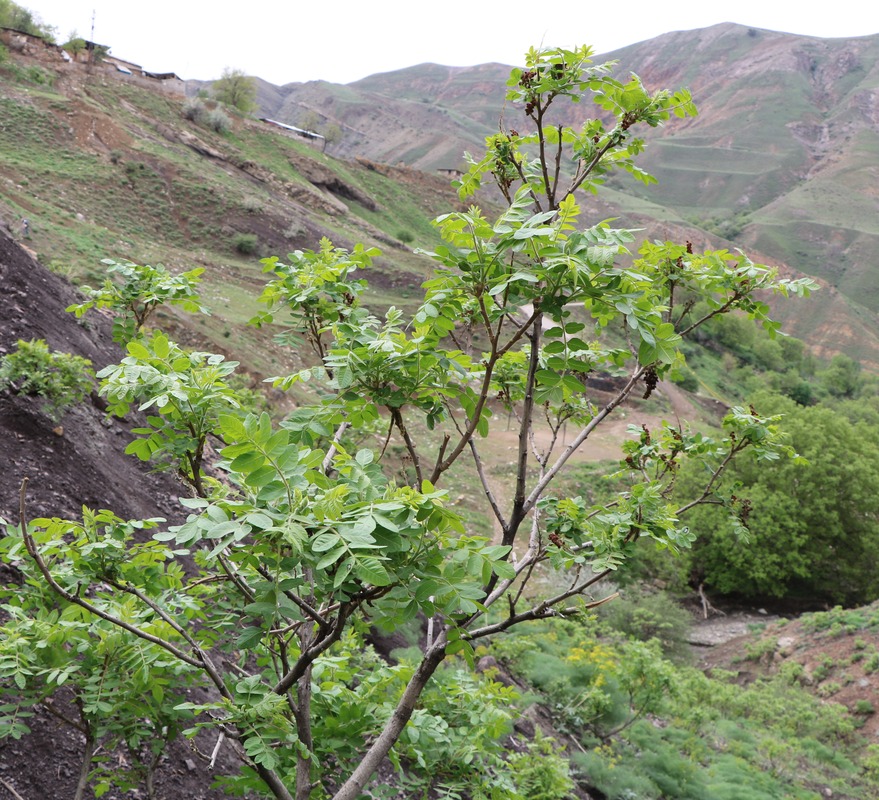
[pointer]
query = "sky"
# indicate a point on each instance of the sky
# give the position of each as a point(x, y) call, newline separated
point(345, 40)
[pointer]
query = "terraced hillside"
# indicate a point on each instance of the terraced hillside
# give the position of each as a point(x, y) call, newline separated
point(782, 159)
point(103, 168)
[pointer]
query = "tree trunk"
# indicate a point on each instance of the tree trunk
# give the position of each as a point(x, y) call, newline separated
point(86, 767)
point(351, 789)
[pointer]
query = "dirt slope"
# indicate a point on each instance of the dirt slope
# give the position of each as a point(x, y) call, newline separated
point(79, 463)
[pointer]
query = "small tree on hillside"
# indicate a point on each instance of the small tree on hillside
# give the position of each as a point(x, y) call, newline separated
point(75, 44)
point(332, 134)
point(313, 538)
point(236, 90)
point(135, 292)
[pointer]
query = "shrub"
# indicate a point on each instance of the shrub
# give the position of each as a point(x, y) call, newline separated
point(194, 109)
point(134, 292)
point(252, 204)
point(540, 773)
point(316, 542)
point(405, 237)
point(61, 379)
point(644, 616)
point(245, 243)
point(295, 230)
point(219, 121)
point(39, 76)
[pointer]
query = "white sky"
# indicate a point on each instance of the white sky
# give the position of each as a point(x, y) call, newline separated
point(345, 40)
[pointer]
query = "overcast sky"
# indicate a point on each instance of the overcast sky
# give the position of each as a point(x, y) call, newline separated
point(345, 40)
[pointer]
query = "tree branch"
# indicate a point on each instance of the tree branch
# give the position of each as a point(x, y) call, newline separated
point(380, 748)
point(31, 547)
point(518, 512)
point(581, 437)
point(410, 445)
point(307, 658)
point(485, 487)
point(545, 609)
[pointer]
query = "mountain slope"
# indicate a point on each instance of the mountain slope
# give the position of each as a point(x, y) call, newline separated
point(781, 161)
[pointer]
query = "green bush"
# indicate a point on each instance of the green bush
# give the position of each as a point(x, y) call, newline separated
point(813, 531)
point(61, 379)
point(219, 121)
point(405, 236)
point(39, 76)
point(864, 707)
point(645, 615)
point(246, 243)
point(540, 773)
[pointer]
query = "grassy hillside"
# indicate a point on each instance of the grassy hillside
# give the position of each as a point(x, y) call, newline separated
point(102, 168)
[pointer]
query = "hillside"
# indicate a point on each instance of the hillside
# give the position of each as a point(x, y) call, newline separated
point(778, 162)
point(781, 160)
point(102, 168)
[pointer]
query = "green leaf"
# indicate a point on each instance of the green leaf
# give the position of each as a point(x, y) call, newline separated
point(370, 570)
point(324, 542)
point(330, 558)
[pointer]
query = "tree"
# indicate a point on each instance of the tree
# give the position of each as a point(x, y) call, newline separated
point(311, 121)
point(236, 90)
point(813, 532)
point(313, 538)
point(19, 18)
point(75, 44)
point(332, 134)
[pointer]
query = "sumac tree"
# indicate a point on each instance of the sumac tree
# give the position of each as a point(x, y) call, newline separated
point(313, 539)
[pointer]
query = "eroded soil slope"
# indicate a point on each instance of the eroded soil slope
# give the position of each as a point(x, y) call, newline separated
point(77, 463)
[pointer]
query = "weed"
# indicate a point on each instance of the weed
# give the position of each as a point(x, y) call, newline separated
point(762, 647)
point(295, 230)
point(251, 204)
point(829, 689)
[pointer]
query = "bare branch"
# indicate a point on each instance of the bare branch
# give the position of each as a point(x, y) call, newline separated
point(737, 448)
point(328, 458)
point(480, 470)
point(410, 445)
point(581, 437)
point(544, 609)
